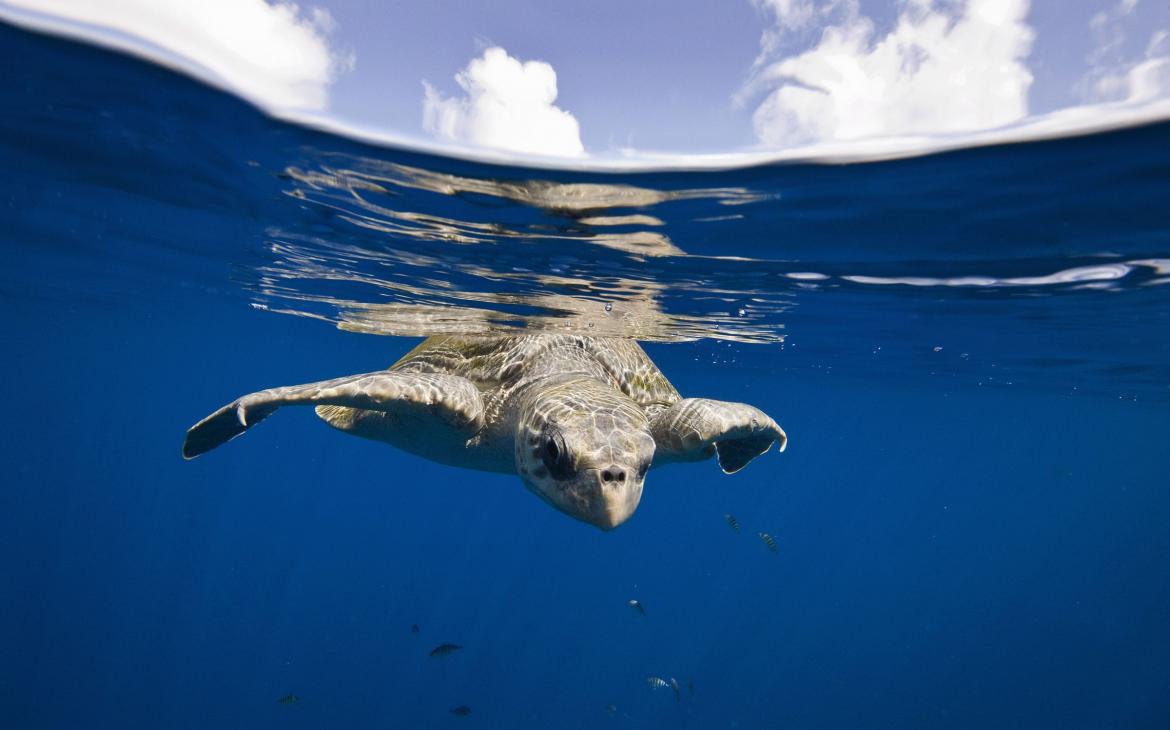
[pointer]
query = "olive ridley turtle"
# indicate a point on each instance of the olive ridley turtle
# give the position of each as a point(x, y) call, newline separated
point(580, 419)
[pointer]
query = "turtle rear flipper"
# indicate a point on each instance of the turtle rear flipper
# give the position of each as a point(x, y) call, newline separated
point(450, 399)
point(694, 429)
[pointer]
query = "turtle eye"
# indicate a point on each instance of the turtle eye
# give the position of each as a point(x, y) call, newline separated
point(555, 455)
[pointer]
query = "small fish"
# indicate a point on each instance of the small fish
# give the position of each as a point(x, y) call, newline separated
point(732, 522)
point(660, 683)
point(612, 709)
point(635, 603)
point(769, 541)
point(461, 711)
point(691, 687)
point(289, 699)
point(445, 649)
point(414, 628)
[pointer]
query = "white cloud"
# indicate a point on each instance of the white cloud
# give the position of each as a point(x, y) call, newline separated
point(790, 13)
point(1145, 81)
point(1108, 31)
point(274, 54)
point(1114, 76)
point(943, 68)
point(1138, 82)
point(507, 104)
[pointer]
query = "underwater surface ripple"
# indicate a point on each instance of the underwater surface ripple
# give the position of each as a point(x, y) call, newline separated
point(970, 352)
point(1065, 239)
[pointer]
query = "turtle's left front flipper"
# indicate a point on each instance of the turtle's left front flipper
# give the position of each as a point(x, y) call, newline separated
point(695, 428)
point(453, 399)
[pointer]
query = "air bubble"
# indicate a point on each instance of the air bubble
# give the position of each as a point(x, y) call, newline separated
point(609, 306)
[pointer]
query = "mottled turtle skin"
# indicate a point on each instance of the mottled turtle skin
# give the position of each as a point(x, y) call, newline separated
point(579, 419)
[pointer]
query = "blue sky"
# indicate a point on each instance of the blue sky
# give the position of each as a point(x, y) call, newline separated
point(603, 77)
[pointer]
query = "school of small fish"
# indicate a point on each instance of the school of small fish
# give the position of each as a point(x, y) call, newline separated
point(660, 683)
point(444, 650)
point(655, 683)
point(767, 539)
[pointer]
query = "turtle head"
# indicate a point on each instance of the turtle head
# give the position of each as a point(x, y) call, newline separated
point(584, 448)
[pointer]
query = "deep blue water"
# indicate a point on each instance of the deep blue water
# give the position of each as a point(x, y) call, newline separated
point(970, 353)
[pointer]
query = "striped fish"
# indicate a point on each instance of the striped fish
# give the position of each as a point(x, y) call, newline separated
point(732, 522)
point(660, 683)
point(769, 541)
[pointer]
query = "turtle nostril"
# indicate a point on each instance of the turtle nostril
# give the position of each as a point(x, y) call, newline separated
point(613, 474)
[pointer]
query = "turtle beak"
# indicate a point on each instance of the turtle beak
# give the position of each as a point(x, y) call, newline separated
point(617, 490)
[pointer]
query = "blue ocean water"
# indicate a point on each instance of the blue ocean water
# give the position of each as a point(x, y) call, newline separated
point(970, 353)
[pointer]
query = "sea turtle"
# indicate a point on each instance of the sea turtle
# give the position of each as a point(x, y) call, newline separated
point(580, 419)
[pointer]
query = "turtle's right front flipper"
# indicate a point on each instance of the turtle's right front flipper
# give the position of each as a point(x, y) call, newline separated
point(694, 429)
point(454, 399)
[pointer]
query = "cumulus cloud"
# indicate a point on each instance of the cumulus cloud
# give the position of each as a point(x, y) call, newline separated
point(790, 14)
point(1145, 80)
point(508, 104)
point(946, 66)
point(276, 54)
point(1114, 76)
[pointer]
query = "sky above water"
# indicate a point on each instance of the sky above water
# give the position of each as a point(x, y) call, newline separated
point(612, 78)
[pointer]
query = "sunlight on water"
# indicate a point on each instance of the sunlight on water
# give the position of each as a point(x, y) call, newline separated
point(417, 252)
